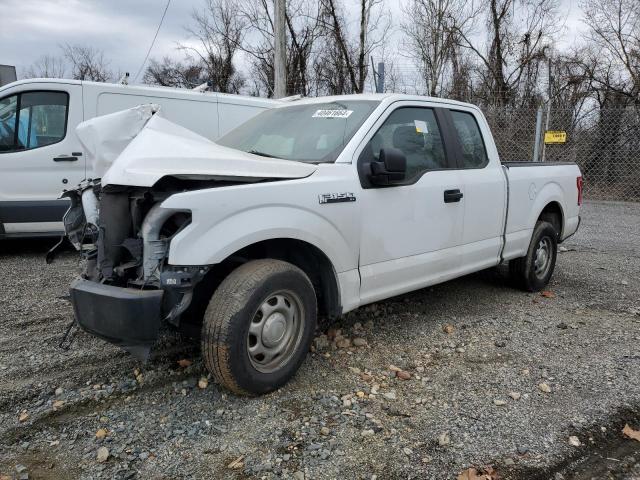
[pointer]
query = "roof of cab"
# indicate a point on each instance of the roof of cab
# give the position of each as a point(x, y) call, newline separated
point(377, 97)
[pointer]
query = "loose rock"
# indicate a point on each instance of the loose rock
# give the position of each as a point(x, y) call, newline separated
point(543, 387)
point(102, 454)
point(574, 441)
point(359, 342)
point(444, 439)
point(321, 343)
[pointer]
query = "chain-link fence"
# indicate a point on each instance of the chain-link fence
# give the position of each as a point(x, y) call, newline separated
point(604, 143)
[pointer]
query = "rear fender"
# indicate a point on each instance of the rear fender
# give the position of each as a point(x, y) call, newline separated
point(551, 192)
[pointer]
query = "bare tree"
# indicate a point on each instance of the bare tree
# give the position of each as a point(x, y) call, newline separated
point(431, 39)
point(614, 25)
point(47, 66)
point(87, 63)
point(349, 55)
point(302, 31)
point(171, 73)
point(520, 32)
point(219, 31)
point(461, 84)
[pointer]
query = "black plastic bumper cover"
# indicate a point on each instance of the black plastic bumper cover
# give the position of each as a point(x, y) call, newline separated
point(126, 317)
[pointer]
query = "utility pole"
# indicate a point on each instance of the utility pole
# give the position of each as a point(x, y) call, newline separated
point(378, 76)
point(280, 60)
point(546, 126)
point(380, 83)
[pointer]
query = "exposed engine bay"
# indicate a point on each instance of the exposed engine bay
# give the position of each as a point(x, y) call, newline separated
point(124, 237)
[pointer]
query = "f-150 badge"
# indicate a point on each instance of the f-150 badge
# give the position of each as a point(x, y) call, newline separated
point(336, 197)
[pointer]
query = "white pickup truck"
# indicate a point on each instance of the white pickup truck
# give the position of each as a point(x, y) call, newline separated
point(312, 208)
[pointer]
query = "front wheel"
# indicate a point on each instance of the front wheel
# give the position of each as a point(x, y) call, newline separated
point(533, 271)
point(258, 326)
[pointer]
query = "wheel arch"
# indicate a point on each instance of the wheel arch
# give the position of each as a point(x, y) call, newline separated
point(304, 255)
point(547, 205)
point(553, 213)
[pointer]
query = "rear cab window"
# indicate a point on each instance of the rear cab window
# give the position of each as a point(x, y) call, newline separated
point(473, 150)
point(31, 120)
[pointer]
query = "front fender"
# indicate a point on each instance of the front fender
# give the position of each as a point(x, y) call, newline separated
point(227, 219)
point(207, 243)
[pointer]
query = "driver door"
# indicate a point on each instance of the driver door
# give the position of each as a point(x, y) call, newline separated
point(410, 232)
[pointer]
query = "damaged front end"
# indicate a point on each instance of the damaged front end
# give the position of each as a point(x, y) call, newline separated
point(127, 288)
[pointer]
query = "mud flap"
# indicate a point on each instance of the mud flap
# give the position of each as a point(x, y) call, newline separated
point(127, 317)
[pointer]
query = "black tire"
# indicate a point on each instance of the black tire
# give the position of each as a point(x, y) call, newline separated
point(233, 309)
point(524, 271)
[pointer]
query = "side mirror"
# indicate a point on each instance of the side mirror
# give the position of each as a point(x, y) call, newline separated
point(390, 169)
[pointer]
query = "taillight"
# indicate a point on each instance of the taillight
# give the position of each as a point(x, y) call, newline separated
point(579, 185)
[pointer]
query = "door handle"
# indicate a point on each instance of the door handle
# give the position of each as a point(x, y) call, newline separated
point(451, 196)
point(65, 158)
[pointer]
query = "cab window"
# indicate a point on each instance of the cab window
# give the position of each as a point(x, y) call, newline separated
point(474, 153)
point(32, 119)
point(415, 132)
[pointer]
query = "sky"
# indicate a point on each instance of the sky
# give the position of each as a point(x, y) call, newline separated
point(124, 29)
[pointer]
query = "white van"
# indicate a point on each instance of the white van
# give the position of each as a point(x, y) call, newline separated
point(40, 154)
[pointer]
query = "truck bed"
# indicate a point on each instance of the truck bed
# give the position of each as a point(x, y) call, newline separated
point(529, 186)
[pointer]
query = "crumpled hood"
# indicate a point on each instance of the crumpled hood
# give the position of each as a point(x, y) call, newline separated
point(162, 148)
point(105, 137)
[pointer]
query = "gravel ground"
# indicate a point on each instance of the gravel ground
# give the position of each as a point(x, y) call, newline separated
point(499, 381)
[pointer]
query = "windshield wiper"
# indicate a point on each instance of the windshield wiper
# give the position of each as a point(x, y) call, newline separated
point(262, 154)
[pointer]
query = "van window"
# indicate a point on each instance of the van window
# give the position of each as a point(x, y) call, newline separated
point(32, 119)
point(8, 118)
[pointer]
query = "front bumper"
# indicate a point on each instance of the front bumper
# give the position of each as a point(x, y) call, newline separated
point(127, 317)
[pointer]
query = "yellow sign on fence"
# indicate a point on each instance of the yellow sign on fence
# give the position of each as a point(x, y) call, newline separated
point(555, 136)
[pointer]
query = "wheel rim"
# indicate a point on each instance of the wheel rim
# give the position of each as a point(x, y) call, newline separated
point(275, 331)
point(542, 257)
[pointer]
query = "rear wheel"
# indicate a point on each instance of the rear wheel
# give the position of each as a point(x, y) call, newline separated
point(533, 271)
point(258, 326)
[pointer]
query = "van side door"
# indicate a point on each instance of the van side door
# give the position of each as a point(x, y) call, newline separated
point(40, 155)
point(411, 231)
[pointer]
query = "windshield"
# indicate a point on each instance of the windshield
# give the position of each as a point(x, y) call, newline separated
point(311, 133)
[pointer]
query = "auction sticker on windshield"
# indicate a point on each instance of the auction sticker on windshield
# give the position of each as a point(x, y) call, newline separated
point(332, 113)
